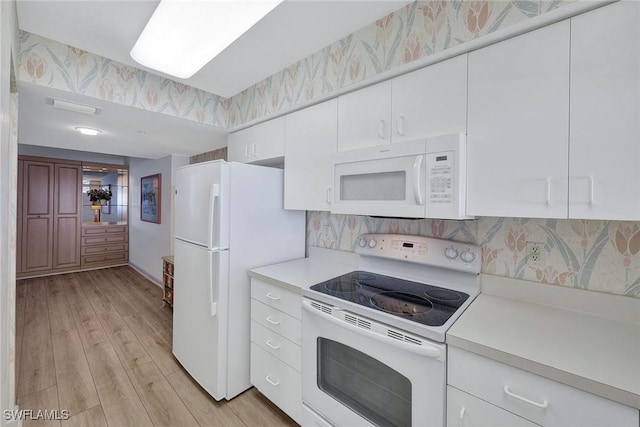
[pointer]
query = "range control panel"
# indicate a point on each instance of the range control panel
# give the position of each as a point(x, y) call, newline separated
point(422, 250)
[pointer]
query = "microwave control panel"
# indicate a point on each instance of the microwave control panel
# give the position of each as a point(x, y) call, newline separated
point(441, 170)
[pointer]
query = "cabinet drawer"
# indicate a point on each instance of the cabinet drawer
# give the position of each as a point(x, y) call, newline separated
point(101, 230)
point(277, 381)
point(562, 405)
point(105, 258)
point(284, 300)
point(464, 409)
point(104, 239)
point(278, 346)
point(93, 250)
point(277, 321)
point(168, 281)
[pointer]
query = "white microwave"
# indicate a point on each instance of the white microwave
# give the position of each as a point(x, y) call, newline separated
point(424, 178)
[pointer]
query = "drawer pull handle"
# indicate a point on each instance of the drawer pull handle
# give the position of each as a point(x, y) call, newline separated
point(542, 405)
point(462, 412)
point(273, 297)
point(273, 322)
point(273, 346)
point(272, 382)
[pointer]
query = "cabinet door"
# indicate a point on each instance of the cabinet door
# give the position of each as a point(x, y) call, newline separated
point(364, 116)
point(431, 101)
point(311, 139)
point(19, 217)
point(268, 140)
point(67, 216)
point(37, 226)
point(464, 409)
point(518, 132)
point(605, 106)
point(258, 143)
point(238, 146)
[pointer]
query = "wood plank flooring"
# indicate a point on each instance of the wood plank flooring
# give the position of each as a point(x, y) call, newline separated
point(98, 344)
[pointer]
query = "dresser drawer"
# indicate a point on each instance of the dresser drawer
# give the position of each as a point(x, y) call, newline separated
point(277, 381)
point(94, 250)
point(102, 230)
point(277, 321)
point(278, 346)
point(104, 239)
point(550, 403)
point(111, 258)
point(284, 300)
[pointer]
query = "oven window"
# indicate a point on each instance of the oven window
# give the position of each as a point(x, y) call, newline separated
point(365, 385)
point(374, 186)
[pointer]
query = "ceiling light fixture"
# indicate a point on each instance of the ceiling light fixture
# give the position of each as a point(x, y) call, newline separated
point(183, 36)
point(88, 131)
point(73, 106)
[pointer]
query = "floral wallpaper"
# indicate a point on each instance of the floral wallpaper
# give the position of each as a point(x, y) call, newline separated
point(420, 29)
point(597, 255)
point(48, 63)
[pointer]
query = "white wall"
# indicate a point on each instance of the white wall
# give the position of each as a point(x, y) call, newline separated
point(149, 242)
point(8, 180)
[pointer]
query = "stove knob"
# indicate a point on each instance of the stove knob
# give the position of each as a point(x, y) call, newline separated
point(467, 256)
point(362, 243)
point(451, 253)
point(372, 243)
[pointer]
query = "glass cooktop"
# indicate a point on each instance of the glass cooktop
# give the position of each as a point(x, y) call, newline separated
point(419, 302)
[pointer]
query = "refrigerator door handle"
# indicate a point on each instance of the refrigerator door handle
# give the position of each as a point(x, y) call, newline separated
point(215, 193)
point(215, 277)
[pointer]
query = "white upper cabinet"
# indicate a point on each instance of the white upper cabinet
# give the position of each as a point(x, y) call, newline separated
point(605, 113)
point(431, 101)
point(311, 139)
point(261, 143)
point(363, 117)
point(518, 126)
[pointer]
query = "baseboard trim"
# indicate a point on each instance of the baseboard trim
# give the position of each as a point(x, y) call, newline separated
point(146, 275)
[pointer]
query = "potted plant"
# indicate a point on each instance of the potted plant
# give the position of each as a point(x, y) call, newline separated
point(99, 196)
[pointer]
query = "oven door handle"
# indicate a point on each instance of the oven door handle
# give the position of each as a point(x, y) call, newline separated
point(433, 351)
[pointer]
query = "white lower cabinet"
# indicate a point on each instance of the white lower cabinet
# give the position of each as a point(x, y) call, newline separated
point(465, 410)
point(276, 353)
point(523, 395)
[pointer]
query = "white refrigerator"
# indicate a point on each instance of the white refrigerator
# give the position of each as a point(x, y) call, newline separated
point(229, 218)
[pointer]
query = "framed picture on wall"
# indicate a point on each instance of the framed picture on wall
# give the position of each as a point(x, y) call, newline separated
point(150, 191)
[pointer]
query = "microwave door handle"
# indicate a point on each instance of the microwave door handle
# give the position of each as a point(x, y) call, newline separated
point(417, 182)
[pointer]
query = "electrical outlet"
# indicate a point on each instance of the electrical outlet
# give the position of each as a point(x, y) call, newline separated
point(534, 253)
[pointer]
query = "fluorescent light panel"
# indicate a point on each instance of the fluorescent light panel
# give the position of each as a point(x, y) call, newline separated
point(88, 131)
point(182, 36)
point(72, 106)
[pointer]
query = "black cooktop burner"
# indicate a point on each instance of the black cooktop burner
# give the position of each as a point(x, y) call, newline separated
point(426, 304)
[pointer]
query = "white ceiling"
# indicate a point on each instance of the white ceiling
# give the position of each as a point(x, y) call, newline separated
point(42, 125)
point(109, 28)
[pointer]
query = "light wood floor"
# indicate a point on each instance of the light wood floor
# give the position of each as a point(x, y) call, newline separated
point(98, 344)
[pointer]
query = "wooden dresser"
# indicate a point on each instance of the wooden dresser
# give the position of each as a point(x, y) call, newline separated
point(167, 280)
point(104, 245)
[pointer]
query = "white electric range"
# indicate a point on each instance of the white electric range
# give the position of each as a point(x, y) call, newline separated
point(373, 339)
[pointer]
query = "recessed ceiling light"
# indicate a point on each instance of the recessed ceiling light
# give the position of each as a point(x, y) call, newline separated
point(88, 131)
point(183, 36)
point(61, 104)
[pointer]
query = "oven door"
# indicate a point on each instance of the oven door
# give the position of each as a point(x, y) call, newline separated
point(357, 372)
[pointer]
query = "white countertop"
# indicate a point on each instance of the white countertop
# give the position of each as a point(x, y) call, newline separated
point(322, 264)
point(588, 340)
